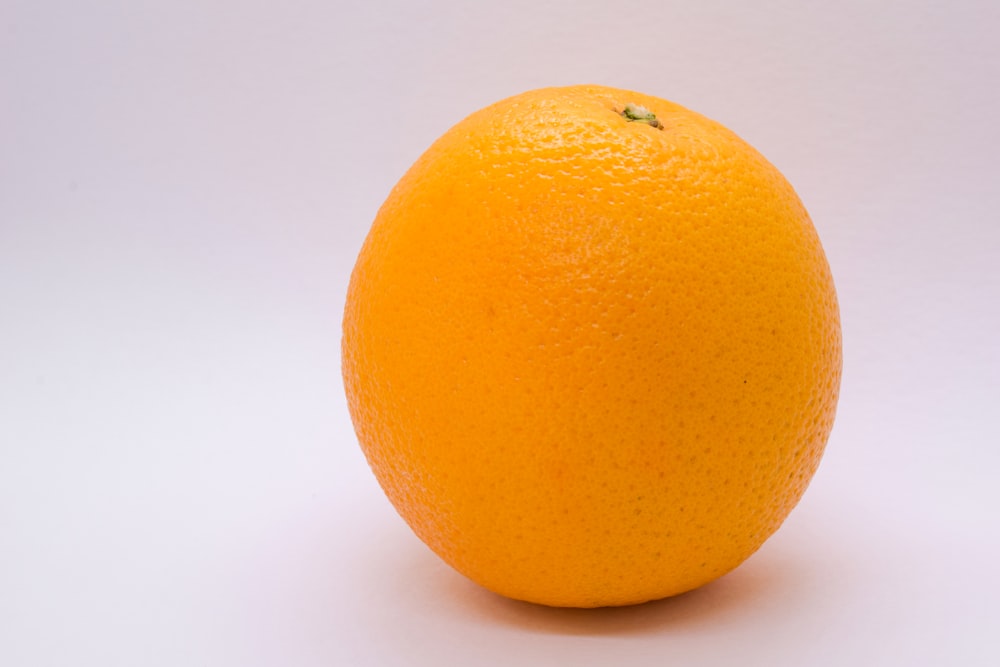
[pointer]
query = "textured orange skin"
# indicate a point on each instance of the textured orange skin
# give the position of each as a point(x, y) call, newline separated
point(592, 362)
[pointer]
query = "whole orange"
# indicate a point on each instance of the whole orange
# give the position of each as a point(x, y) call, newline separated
point(592, 348)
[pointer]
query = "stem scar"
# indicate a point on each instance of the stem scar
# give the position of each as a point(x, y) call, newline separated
point(635, 113)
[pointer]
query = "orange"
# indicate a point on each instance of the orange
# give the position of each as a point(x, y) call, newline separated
point(592, 348)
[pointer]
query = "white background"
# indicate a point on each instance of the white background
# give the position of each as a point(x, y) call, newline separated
point(183, 188)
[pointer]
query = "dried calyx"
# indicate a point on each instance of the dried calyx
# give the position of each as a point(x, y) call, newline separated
point(640, 114)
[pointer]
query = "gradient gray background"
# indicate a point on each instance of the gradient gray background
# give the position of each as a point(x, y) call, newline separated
point(183, 189)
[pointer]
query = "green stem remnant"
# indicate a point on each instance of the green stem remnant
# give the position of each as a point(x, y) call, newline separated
point(640, 114)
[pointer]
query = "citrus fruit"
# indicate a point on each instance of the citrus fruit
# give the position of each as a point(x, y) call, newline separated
point(591, 348)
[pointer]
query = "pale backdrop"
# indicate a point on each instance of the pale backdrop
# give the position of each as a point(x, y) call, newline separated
point(183, 188)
